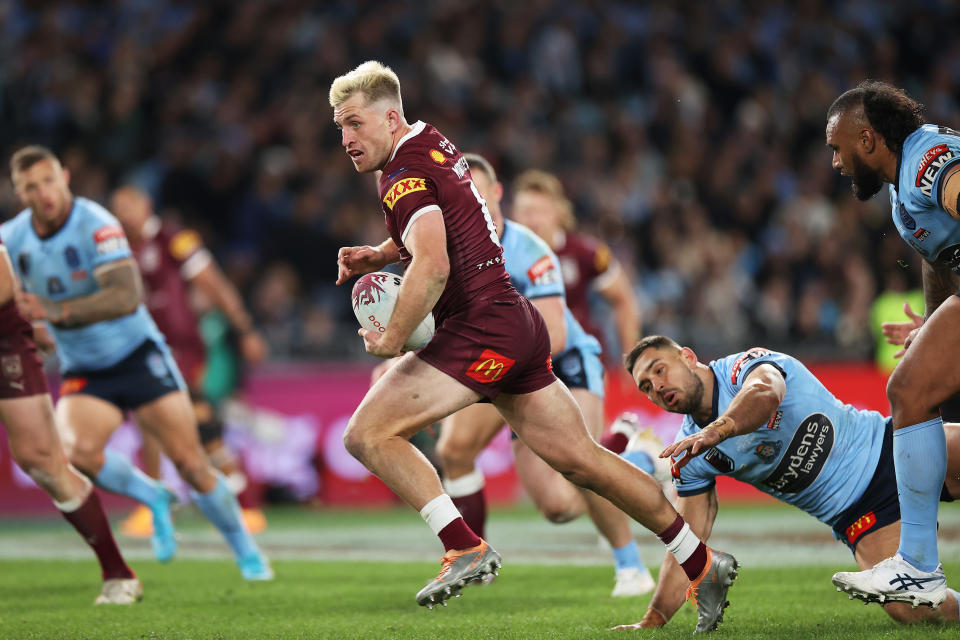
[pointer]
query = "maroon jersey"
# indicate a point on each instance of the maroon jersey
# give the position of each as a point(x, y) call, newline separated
point(169, 257)
point(427, 173)
point(584, 262)
point(21, 373)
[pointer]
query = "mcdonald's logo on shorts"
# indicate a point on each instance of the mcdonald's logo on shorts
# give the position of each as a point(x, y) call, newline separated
point(863, 524)
point(490, 367)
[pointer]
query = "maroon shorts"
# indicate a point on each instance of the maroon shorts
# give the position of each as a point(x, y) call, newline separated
point(493, 347)
point(21, 373)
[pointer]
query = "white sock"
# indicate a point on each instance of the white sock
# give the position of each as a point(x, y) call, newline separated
point(71, 505)
point(439, 512)
point(464, 485)
point(683, 546)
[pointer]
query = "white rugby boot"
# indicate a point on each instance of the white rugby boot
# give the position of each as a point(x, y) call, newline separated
point(120, 591)
point(633, 582)
point(894, 580)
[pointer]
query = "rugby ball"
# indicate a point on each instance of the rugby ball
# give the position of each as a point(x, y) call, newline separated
point(374, 296)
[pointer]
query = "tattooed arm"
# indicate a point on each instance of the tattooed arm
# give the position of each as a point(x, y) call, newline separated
point(120, 292)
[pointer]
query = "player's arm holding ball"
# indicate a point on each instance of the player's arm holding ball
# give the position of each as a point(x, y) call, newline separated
point(423, 282)
point(120, 291)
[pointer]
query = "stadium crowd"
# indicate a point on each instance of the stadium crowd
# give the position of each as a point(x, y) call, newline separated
point(689, 136)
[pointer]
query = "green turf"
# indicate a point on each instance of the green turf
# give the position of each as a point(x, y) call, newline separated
point(205, 599)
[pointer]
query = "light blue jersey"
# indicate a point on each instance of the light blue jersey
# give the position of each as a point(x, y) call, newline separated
point(61, 267)
point(816, 453)
point(915, 199)
point(535, 272)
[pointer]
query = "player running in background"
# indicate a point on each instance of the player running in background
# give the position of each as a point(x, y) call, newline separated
point(877, 134)
point(490, 343)
point(26, 411)
point(76, 267)
point(763, 418)
point(588, 265)
point(171, 261)
point(535, 272)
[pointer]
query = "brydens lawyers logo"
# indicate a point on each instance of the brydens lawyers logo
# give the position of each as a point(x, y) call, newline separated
point(401, 188)
point(804, 457)
point(863, 524)
point(490, 366)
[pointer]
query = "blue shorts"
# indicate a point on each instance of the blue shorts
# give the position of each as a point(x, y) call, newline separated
point(143, 376)
point(879, 505)
point(580, 368)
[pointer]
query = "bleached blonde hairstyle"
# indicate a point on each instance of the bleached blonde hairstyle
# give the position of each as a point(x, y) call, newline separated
point(547, 184)
point(373, 79)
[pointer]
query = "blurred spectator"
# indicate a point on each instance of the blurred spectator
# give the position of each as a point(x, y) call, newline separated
point(689, 136)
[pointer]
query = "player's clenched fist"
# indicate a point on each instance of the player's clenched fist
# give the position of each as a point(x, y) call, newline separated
point(355, 261)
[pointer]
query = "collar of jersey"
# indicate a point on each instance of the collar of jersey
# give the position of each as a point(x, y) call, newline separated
point(73, 206)
point(416, 130)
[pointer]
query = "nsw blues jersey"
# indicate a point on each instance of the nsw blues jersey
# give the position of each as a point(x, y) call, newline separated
point(535, 272)
point(816, 452)
point(917, 211)
point(60, 267)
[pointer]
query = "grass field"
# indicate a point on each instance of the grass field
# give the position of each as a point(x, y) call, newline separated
point(354, 575)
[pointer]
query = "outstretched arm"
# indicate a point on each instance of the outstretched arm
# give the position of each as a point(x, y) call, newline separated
point(215, 284)
point(120, 292)
point(753, 406)
point(699, 512)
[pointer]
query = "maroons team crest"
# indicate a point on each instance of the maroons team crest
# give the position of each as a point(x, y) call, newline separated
point(12, 366)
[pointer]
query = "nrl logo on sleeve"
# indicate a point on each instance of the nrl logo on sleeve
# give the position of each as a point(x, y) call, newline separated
point(542, 272)
point(109, 239)
point(401, 188)
point(930, 163)
point(752, 354)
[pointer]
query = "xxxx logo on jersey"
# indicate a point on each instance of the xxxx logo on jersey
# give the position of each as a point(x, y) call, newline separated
point(401, 188)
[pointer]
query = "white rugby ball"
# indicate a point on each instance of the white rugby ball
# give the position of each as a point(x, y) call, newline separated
point(374, 296)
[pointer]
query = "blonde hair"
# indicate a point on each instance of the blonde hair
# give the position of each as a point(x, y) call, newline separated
point(373, 79)
point(28, 156)
point(477, 162)
point(549, 185)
